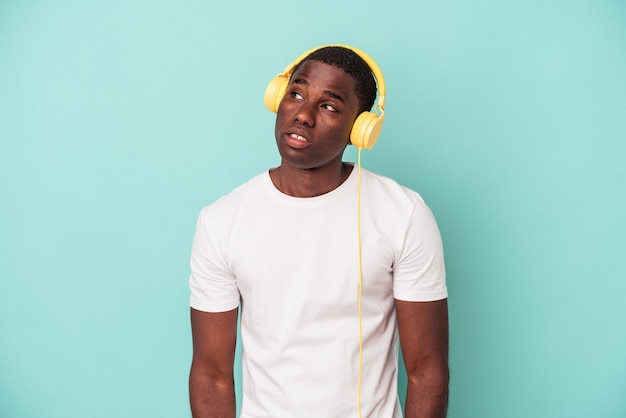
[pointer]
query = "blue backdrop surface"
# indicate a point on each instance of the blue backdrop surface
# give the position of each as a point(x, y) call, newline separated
point(119, 120)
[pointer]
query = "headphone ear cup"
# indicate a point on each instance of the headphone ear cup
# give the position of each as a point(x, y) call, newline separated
point(365, 130)
point(275, 92)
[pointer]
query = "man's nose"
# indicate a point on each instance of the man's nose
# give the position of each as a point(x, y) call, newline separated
point(306, 114)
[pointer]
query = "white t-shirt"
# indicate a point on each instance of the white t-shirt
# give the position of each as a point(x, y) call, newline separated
point(292, 264)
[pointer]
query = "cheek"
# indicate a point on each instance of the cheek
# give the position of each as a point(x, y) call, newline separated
point(278, 123)
point(345, 130)
point(337, 138)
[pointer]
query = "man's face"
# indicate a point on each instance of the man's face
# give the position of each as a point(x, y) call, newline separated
point(315, 117)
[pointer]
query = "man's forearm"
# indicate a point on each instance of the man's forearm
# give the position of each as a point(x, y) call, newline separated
point(427, 396)
point(210, 397)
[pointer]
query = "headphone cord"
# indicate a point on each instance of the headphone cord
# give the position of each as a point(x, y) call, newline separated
point(360, 280)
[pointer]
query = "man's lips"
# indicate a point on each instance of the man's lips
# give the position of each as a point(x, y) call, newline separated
point(298, 137)
point(295, 140)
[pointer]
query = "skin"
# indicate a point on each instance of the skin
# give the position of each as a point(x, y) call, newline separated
point(423, 332)
point(312, 130)
point(211, 380)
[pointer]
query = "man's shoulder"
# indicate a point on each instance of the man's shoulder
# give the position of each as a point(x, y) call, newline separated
point(389, 188)
point(248, 191)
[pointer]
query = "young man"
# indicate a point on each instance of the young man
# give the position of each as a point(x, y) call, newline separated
point(284, 246)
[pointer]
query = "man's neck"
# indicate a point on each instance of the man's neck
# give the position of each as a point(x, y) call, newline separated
point(309, 182)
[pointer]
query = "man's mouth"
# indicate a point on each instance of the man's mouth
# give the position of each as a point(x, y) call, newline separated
point(297, 141)
point(298, 137)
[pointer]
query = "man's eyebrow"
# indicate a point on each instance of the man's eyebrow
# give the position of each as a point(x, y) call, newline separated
point(334, 95)
point(303, 81)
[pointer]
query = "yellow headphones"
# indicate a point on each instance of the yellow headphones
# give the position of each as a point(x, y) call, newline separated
point(366, 127)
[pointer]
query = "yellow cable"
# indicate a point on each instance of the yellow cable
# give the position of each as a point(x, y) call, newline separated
point(360, 280)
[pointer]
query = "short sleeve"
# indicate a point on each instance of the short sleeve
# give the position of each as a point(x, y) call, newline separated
point(212, 284)
point(419, 272)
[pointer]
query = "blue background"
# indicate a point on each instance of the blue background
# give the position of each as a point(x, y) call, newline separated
point(119, 120)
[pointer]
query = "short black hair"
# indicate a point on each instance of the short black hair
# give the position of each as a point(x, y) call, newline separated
point(351, 63)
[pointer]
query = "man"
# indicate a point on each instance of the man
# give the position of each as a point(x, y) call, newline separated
point(284, 246)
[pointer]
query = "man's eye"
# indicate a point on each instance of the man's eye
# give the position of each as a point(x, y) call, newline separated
point(296, 95)
point(329, 107)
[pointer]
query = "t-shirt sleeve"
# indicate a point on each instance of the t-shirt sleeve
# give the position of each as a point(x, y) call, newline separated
point(419, 272)
point(213, 286)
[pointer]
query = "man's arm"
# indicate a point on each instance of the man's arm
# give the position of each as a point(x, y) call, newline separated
point(211, 383)
point(423, 331)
